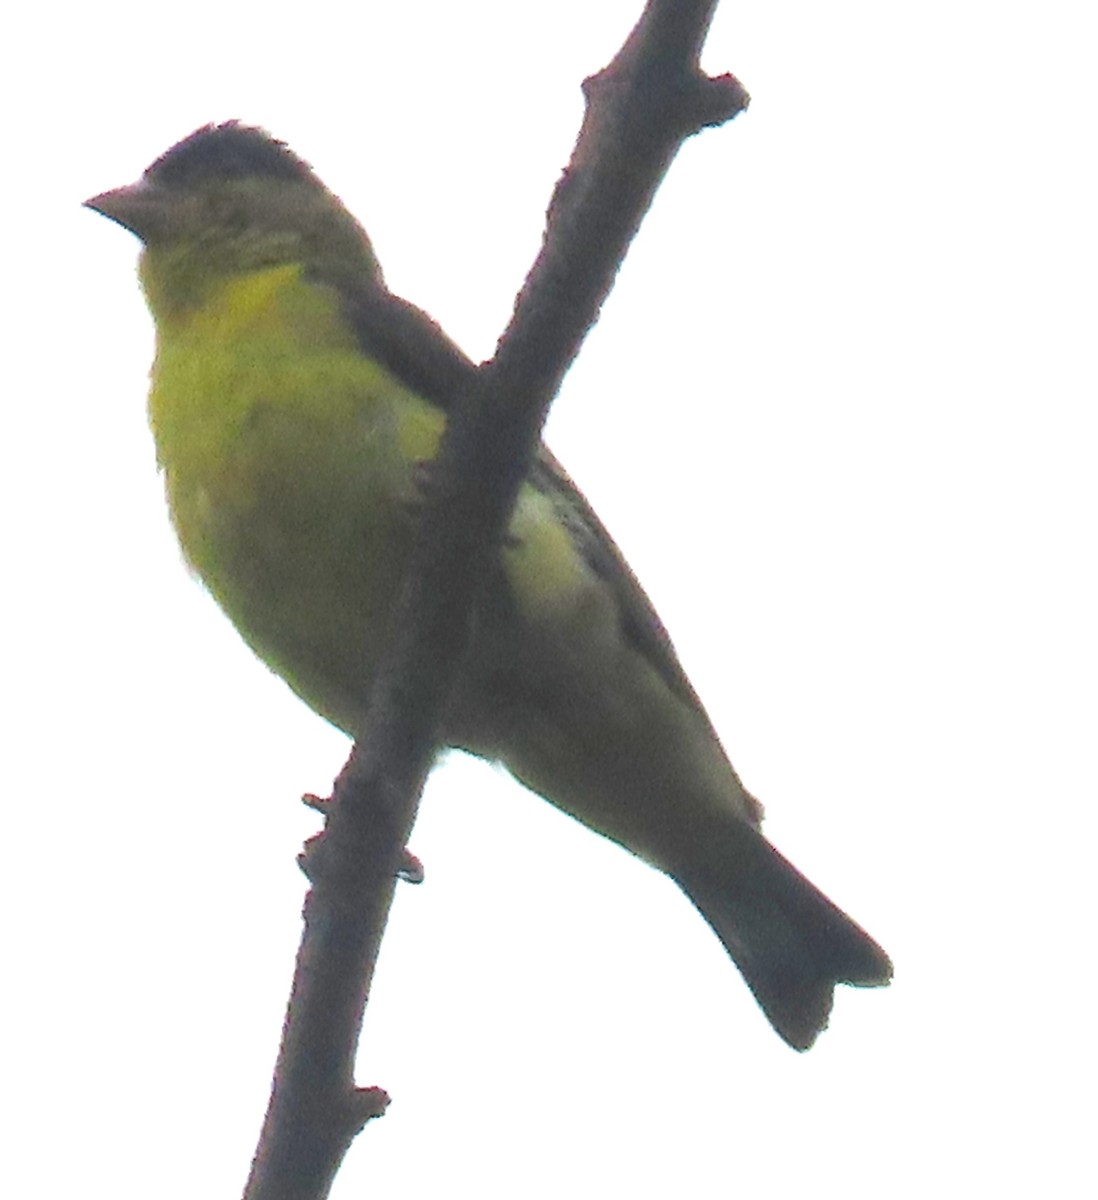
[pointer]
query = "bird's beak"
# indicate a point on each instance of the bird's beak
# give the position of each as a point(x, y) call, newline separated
point(136, 207)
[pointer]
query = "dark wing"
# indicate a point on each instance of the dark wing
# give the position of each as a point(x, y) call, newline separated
point(416, 350)
point(409, 343)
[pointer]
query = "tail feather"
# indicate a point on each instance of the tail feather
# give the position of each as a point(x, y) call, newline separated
point(791, 944)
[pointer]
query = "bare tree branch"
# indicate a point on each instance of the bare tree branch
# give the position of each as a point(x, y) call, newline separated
point(640, 108)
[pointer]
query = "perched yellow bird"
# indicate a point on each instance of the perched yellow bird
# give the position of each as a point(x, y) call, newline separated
point(294, 402)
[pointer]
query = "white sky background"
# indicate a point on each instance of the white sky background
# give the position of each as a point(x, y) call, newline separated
point(838, 413)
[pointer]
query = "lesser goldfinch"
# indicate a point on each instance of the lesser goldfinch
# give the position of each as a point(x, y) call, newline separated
point(294, 403)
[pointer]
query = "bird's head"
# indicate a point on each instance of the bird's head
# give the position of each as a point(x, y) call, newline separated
point(227, 200)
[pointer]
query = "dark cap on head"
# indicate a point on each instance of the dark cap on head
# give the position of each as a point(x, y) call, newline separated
point(227, 151)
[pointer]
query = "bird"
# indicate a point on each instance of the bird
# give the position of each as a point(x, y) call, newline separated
point(294, 402)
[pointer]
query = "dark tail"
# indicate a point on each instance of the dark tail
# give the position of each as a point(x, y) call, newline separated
point(791, 944)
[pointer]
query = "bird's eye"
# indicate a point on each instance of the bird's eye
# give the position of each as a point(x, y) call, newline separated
point(227, 214)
